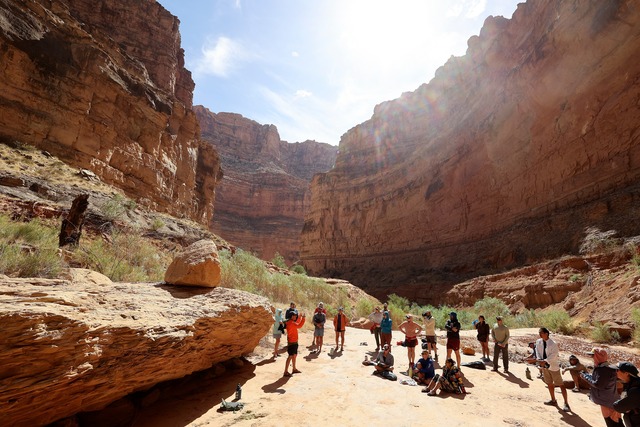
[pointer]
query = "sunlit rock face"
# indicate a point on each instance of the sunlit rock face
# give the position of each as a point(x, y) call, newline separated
point(79, 344)
point(102, 85)
point(260, 202)
point(502, 159)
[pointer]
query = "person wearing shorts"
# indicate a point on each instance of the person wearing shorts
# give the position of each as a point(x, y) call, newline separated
point(453, 336)
point(277, 331)
point(411, 330)
point(292, 325)
point(547, 357)
point(319, 319)
point(386, 326)
point(430, 333)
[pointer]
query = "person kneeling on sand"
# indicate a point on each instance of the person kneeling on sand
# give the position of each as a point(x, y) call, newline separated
point(292, 325)
point(450, 380)
point(425, 369)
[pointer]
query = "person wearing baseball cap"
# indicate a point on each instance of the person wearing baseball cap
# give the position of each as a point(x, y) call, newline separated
point(629, 404)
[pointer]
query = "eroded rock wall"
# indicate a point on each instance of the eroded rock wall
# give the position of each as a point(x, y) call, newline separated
point(502, 159)
point(261, 200)
point(77, 345)
point(102, 85)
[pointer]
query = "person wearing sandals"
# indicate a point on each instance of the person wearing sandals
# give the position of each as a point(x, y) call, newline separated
point(278, 328)
point(546, 355)
point(484, 330)
point(425, 370)
point(292, 325)
point(319, 319)
point(450, 380)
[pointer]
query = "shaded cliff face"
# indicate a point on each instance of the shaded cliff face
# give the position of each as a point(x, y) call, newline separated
point(502, 159)
point(261, 201)
point(102, 85)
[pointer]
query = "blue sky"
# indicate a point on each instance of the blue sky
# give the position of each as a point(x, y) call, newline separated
point(316, 68)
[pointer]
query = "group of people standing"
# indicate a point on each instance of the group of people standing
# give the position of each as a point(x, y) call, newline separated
point(602, 381)
point(293, 321)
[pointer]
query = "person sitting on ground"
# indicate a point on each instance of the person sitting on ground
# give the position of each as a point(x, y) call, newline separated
point(319, 319)
point(629, 403)
point(450, 380)
point(603, 382)
point(376, 318)
point(425, 369)
point(292, 325)
point(483, 336)
point(574, 369)
point(386, 325)
point(384, 361)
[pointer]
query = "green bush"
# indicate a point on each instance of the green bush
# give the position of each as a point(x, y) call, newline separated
point(126, 257)
point(635, 318)
point(490, 308)
point(278, 261)
point(298, 269)
point(601, 333)
point(29, 249)
point(557, 321)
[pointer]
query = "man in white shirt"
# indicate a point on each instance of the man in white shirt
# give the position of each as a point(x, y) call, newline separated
point(547, 357)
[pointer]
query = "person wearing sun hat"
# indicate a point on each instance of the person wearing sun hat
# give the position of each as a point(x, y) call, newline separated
point(629, 403)
point(603, 386)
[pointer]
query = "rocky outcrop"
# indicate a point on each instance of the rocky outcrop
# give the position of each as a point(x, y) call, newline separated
point(261, 201)
point(504, 158)
point(196, 265)
point(80, 344)
point(102, 86)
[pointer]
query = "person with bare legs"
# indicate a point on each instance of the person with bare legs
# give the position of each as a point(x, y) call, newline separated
point(430, 333)
point(294, 323)
point(340, 325)
point(483, 336)
point(411, 330)
point(453, 336)
point(319, 319)
point(386, 325)
point(278, 328)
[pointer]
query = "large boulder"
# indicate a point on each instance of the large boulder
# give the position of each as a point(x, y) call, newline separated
point(70, 346)
point(197, 265)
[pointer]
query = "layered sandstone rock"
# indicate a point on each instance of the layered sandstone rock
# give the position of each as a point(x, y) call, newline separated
point(102, 85)
point(260, 203)
point(78, 345)
point(504, 158)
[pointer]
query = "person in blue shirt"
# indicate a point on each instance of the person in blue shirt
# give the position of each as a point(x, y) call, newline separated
point(424, 369)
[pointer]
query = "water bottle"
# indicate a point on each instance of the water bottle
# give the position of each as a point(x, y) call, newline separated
point(527, 373)
point(238, 392)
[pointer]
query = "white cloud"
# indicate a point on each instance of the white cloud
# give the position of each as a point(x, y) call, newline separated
point(295, 54)
point(221, 57)
point(301, 93)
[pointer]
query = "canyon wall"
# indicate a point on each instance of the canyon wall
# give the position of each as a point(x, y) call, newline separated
point(261, 201)
point(102, 85)
point(504, 158)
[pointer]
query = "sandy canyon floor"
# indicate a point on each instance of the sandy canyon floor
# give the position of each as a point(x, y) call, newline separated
point(335, 388)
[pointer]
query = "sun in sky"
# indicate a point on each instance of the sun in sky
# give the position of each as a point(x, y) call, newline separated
point(315, 69)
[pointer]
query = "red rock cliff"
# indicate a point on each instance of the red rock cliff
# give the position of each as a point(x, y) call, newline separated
point(102, 85)
point(502, 159)
point(260, 203)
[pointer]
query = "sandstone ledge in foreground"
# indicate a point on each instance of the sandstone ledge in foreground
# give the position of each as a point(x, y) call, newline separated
point(71, 346)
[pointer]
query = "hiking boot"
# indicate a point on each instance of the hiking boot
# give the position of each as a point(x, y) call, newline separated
point(566, 408)
point(551, 403)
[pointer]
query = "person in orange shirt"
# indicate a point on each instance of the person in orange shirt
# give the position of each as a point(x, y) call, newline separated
point(292, 325)
point(340, 325)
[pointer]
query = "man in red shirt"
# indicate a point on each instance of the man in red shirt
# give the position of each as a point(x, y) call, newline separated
point(292, 325)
